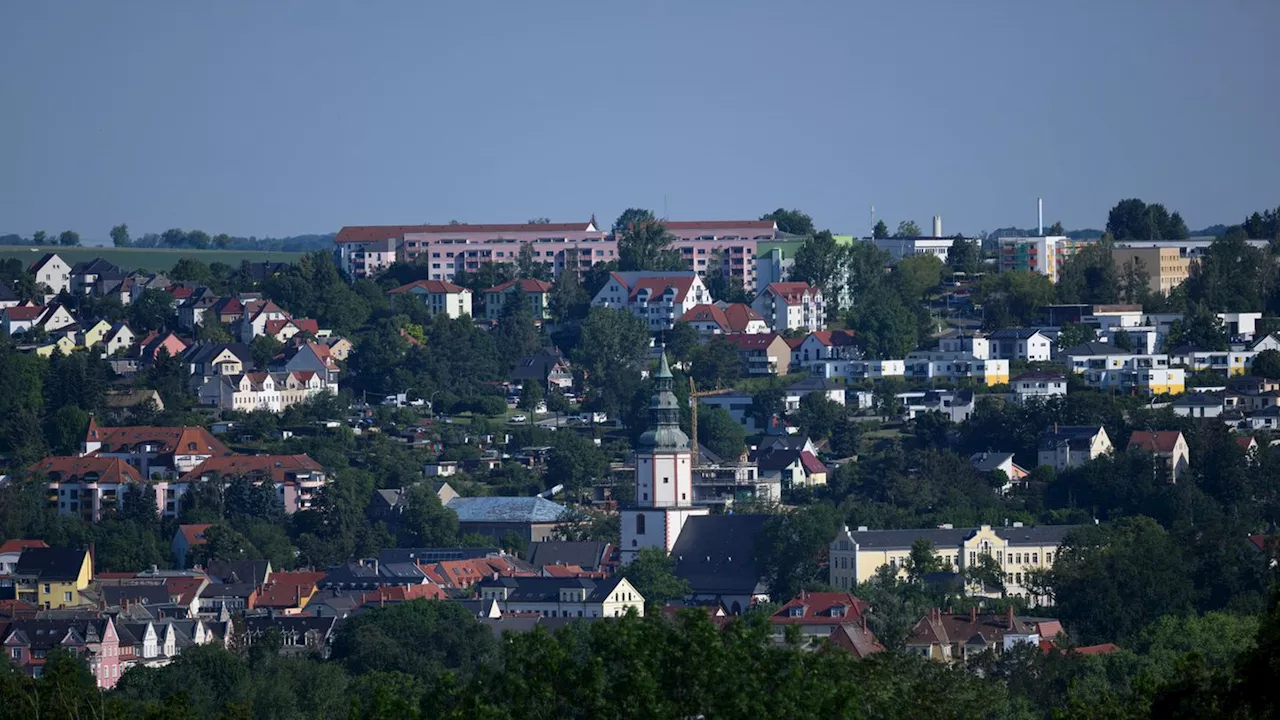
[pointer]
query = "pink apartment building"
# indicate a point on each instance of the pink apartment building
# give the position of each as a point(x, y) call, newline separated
point(365, 250)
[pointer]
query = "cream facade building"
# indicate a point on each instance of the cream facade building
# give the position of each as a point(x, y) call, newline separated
point(563, 597)
point(855, 556)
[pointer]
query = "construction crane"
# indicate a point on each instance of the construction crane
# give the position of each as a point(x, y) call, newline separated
point(693, 421)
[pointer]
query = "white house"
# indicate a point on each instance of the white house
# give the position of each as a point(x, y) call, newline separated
point(1040, 385)
point(1025, 344)
point(791, 306)
point(826, 345)
point(53, 272)
point(658, 298)
point(440, 296)
point(1069, 446)
point(256, 315)
point(563, 597)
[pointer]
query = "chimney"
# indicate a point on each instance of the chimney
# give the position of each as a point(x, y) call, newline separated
point(973, 615)
point(1011, 622)
point(864, 623)
point(1040, 214)
point(937, 226)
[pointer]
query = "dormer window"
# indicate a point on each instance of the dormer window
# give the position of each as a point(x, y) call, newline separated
point(837, 611)
point(796, 612)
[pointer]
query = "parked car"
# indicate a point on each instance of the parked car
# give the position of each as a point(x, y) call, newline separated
point(519, 418)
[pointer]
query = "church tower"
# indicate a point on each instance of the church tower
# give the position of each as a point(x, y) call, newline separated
point(664, 476)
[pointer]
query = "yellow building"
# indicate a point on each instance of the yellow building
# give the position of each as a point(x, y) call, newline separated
point(63, 345)
point(856, 555)
point(96, 334)
point(1166, 268)
point(53, 578)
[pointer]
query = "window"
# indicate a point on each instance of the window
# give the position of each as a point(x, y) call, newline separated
point(15, 653)
point(640, 522)
point(1035, 558)
point(666, 480)
point(66, 597)
point(46, 589)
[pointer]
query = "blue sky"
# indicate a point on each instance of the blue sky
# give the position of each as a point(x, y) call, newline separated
point(285, 117)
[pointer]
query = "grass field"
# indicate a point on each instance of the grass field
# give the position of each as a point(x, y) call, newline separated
point(152, 259)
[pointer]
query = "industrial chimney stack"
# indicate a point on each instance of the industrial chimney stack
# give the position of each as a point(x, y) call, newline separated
point(1040, 214)
point(937, 226)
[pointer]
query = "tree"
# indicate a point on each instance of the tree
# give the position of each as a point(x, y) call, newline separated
point(516, 333)
point(540, 221)
point(1056, 229)
point(426, 522)
point(1200, 329)
point(720, 433)
point(681, 342)
point(264, 348)
point(1089, 276)
point(880, 231)
point(645, 244)
point(907, 229)
point(1122, 340)
point(1129, 220)
point(766, 404)
point(917, 275)
point(820, 262)
point(422, 638)
point(1109, 581)
point(792, 222)
point(39, 238)
point(922, 560)
point(120, 235)
point(611, 348)
point(716, 363)
point(653, 573)
point(791, 546)
point(530, 395)
point(1072, 334)
point(1267, 364)
point(818, 415)
point(529, 266)
point(884, 327)
point(569, 299)
point(69, 238)
point(151, 311)
point(963, 256)
point(1135, 281)
point(575, 463)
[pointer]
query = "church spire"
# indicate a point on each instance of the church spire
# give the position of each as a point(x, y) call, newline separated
point(664, 431)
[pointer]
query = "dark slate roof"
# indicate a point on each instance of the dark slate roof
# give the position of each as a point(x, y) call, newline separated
point(244, 571)
point(777, 459)
point(95, 266)
point(145, 594)
point(1198, 399)
point(204, 352)
point(506, 510)
point(1052, 437)
point(716, 554)
point(1094, 348)
point(947, 537)
point(47, 634)
point(988, 461)
point(432, 555)
point(537, 366)
point(369, 575)
point(547, 589)
point(228, 590)
point(1013, 334)
point(50, 563)
point(587, 555)
point(290, 623)
point(6, 294)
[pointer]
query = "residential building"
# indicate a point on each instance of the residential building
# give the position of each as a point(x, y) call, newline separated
point(186, 538)
point(989, 462)
point(791, 461)
point(658, 298)
point(363, 252)
point(339, 347)
point(948, 367)
point(725, 319)
point(794, 393)
point(531, 518)
point(660, 509)
point(1108, 368)
point(311, 357)
point(548, 367)
point(791, 306)
point(7, 297)
point(959, 637)
point(86, 277)
point(1230, 363)
point(440, 296)
point(1045, 255)
point(536, 294)
point(1026, 344)
point(256, 315)
point(272, 392)
point(53, 272)
point(27, 644)
point(86, 487)
point(717, 556)
point(1069, 446)
point(559, 246)
point(955, 405)
point(1038, 385)
point(819, 615)
point(762, 354)
point(592, 556)
point(563, 597)
point(854, 556)
point(155, 452)
point(858, 369)
point(10, 551)
point(296, 478)
point(284, 330)
point(21, 318)
point(1199, 405)
point(905, 247)
point(827, 345)
point(208, 359)
point(1166, 267)
point(724, 247)
point(737, 404)
point(52, 577)
point(1168, 446)
point(962, 343)
point(297, 634)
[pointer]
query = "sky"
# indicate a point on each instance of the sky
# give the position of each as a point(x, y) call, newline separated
point(301, 116)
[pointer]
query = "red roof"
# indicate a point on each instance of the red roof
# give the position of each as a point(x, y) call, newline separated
point(393, 594)
point(24, 313)
point(820, 608)
point(812, 464)
point(185, 588)
point(1160, 441)
point(73, 469)
point(430, 286)
point(789, 292)
point(716, 224)
point(194, 533)
point(739, 316)
point(373, 233)
point(836, 338)
point(1246, 442)
point(525, 285)
point(752, 341)
point(657, 284)
point(13, 546)
point(177, 440)
point(1102, 649)
point(794, 342)
point(277, 465)
point(707, 313)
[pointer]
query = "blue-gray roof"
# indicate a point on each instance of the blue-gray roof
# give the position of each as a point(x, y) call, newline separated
point(506, 510)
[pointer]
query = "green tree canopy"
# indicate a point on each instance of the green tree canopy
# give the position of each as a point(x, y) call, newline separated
point(653, 573)
point(792, 222)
